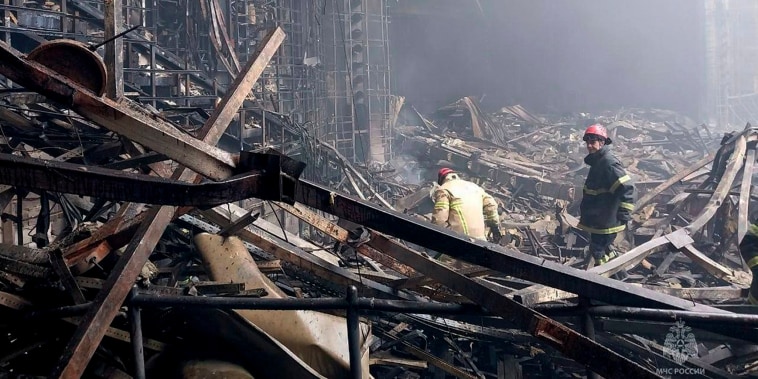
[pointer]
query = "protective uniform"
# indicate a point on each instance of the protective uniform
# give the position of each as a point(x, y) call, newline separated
point(463, 206)
point(607, 200)
point(749, 252)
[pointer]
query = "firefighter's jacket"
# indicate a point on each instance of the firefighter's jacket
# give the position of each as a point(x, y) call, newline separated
point(607, 200)
point(464, 207)
point(749, 246)
point(749, 252)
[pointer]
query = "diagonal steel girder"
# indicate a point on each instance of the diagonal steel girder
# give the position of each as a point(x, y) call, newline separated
point(46, 175)
point(121, 116)
point(502, 259)
point(568, 341)
point(91, 330)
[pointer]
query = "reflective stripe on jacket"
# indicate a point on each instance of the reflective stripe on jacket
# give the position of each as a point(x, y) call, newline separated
point(464, 207)
point(607, 199)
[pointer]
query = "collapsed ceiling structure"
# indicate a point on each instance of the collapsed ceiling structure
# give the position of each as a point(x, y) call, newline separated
point(210, 201)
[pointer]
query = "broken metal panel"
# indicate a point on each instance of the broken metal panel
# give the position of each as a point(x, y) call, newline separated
point(522, 113)
point(317, 338)
point(481, 126)
point(269, 359)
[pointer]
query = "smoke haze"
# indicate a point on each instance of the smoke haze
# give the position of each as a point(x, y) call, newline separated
point(553, 56)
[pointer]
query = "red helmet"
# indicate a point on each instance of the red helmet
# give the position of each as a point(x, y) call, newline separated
point(442, 173)
point(597, 130)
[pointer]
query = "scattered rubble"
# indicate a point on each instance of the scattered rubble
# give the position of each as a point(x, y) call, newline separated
point(133, 246)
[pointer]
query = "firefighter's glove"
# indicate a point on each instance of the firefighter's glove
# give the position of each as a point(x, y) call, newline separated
point(495, 233)
point(623, 216)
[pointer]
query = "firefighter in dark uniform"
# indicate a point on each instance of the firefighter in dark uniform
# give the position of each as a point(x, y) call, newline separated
point(749, 252)
point(607, 200)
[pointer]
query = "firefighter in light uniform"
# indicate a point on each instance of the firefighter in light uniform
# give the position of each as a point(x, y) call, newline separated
point(749, 252)
point(607, 196)
point(464, 207)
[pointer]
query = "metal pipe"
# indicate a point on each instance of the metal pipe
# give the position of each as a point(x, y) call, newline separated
point(19, 217)
point(135, 321)
point(652, 314)
point(588, 328)
point(71, 310)
point(305, 304)
point(119, 35)
point(354, 332)
point(403, 306)
point(367, 304)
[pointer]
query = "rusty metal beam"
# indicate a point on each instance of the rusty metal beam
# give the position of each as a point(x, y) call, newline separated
point(65, 276)
point(46, 175)
point(243, 84)
point(308, 262)
point(114, 50)
point(121, 116)
point(342, 235)
point(422, 280)
point(502, 259)
point(91, 331)
point(349, 168)
point(211, 132)
point(93, 326)
point(569, 342)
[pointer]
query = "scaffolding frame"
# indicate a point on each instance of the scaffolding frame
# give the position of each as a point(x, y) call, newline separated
point(731, 29)
point(358, 79)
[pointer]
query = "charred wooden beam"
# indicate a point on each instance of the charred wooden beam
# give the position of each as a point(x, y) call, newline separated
point(24, 269)
point(725, 184)
point(650, 195)
point(114, 49)
point(24, 254)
